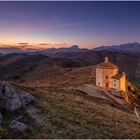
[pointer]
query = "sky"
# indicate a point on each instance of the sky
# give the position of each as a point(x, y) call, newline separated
point(60, 24)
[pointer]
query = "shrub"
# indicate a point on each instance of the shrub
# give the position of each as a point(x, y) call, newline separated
point(129, 89)
point(3, 132)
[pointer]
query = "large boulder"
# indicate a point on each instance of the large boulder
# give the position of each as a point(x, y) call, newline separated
point(8, 97)
point(0, 120)
point(17, 126)
point(25, 98)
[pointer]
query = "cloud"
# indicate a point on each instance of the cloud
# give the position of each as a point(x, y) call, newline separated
point(33, 47)
point(51, 45)
point(23, 43)
point(43, 44)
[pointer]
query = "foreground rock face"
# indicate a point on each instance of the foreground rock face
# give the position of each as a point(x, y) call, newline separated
point(35, 114)
point(25, 98)
point(11, 101)
point(8, 97)
point(0, 120)
point(18, 126)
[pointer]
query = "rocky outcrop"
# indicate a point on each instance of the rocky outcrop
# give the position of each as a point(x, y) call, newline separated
point(137, 112)
point(0, 120)
point(9, 99)
point(35, 114)
point(18, 126)
point(25, 98)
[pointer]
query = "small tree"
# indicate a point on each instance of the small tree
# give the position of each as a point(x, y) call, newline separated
point(129, 89)
point(136, 91)
point(3, 132)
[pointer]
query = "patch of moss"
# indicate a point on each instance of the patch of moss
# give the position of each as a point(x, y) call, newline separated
point(92, 81)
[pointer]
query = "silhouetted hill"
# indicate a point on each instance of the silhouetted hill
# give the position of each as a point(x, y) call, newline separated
point(128, 62)
point(124, 48)
point(72, 49)
point(18, 50)
point(129, 47)
point(18, 64)
point(9, 50)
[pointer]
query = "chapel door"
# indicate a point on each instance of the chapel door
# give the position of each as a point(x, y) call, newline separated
point(107, 85)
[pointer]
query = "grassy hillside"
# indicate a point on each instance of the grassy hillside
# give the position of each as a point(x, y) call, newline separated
point(73, 114)
point(67, 113)
point(18, 66)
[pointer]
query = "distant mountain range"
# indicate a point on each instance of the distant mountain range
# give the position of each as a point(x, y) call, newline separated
point(73, 48)
point(10, 50)
point(129, 47)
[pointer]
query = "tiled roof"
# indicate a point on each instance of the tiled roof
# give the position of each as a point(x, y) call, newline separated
point(117, 76)
point(107, 65)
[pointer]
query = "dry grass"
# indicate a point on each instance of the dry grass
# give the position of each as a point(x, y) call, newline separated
point(61, 76)
point(75, 115)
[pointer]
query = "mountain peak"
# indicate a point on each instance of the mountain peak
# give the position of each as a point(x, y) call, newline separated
point(74, 47)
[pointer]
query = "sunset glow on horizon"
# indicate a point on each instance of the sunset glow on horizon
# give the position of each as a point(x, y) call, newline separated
point(61, 24)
